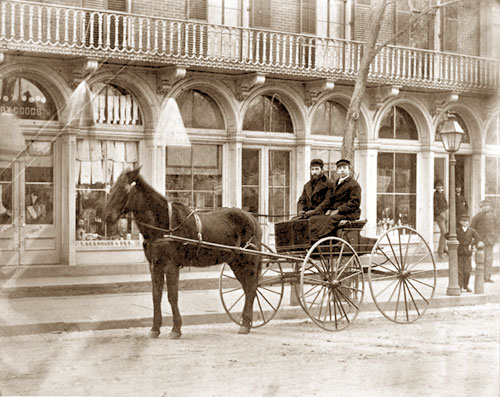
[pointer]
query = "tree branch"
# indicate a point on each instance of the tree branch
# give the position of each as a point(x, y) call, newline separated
point(413, 21)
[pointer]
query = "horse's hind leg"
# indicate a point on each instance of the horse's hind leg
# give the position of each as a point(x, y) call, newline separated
point(173, 297)
point(157, 279)
point(247, 273)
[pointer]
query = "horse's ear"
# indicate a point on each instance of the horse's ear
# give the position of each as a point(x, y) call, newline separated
point(133, 175)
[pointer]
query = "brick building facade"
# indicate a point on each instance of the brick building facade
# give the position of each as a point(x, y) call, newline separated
point(262, 87)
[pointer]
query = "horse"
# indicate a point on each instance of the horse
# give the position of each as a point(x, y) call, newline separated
point(156, 216)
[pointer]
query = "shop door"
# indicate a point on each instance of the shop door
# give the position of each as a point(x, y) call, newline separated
point(27, 217)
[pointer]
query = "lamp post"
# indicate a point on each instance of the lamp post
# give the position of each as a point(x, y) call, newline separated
point(451, 136)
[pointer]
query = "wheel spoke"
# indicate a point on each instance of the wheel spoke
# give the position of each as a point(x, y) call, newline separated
point(392, 293)
point(407, 246)
point(389, 259)
point(231, 290)
point(260, 308)
point(268, 290)
point(351, 276)
point(412, 299)
point(394, 253)
point(236, 301)
point(387, 287)
point(337, 264)
point(347, 299)
point(385, 268)
point(417, 249)
point(418, 292)
point(345, 266)
point(424, 257)
point(267, 300)
point(397, 301)
point(341, 309)
point(421, 282)
point(228, 276)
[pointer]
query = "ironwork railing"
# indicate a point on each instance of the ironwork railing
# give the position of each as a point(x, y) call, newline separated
point(36, 27)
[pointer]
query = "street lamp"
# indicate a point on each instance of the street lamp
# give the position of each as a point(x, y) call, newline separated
point(451, 135)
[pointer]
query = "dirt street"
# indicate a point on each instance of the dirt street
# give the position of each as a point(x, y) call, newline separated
point(449, 352)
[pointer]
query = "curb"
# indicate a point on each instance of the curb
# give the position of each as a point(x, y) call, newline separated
point(285, 313)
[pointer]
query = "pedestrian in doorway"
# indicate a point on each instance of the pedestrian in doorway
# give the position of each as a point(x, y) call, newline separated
point(486, 225)
point(467, 238)
point(440, 211)
point(462, 208)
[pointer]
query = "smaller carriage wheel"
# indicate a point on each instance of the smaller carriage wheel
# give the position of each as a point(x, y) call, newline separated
point(269, 294)
point(402, 274)
point(331, 282)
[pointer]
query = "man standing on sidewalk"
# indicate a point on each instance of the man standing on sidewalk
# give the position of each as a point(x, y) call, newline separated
point(440, 208)
point(486, 225)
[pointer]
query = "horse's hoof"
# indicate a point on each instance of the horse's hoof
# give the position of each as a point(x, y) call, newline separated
point(174, 335)
point(244, 330)
point(154, 334)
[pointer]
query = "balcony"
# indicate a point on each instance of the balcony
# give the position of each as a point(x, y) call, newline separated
point(113, 36)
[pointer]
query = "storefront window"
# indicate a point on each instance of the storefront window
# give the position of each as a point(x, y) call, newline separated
point(99, 164)
point(267, 113)
point(39, 184)
point(279, 185)
point(194, 175)
point(398, 124)
point(493, 134)
point(396, 190)
point(250, 190)
point(25, 99)
point(114, 105)
point(5, 193)
point(329, 119)
point(329, 157)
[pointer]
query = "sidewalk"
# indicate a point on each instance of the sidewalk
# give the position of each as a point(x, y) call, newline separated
point(124, 310)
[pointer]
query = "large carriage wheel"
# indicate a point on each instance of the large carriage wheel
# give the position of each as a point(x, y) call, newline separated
point(267, 301)
point(402, 274)
point(331, 282)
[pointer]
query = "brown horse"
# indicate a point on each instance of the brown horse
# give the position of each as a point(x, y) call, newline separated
point(156, 217)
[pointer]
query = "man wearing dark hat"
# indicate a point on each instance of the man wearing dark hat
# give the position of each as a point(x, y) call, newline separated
point(440, 216)
point(487, 227)
point(467, 237)
point(314, 199)
point(344, 202)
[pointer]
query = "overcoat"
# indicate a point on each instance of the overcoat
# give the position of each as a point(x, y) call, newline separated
point(346, 198)
point(317, 198)
point(486, 226)
point(466, 240)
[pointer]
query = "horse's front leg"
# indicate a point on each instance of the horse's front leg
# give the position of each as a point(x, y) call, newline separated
point(157, 279)
point(172, 271)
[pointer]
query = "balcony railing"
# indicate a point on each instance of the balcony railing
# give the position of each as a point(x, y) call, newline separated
point(35, 27)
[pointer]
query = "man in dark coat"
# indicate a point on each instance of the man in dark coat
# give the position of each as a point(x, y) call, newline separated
point(315, 196)
point(486, 225)
point(462, 208)
point(440, 208)
point(467, 237)
point(344, 202)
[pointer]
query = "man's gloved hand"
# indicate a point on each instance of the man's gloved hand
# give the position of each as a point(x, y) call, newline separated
point(332, 213)
point(309, 213)
point(301, 214)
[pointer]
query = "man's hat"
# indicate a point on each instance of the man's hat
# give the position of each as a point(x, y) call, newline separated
point(485, 202)
point(438, 183)
point(464, 217)
point(317, 163)
point(343, 162)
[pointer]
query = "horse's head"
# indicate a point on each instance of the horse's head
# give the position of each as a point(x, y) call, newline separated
point(119, 196)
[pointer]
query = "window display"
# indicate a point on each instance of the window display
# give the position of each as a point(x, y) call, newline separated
point(99, 164)
point(396, 190)
point(5, 193)
point(279, 185)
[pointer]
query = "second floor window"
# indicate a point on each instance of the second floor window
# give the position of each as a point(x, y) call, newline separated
point(267, 113)
point(196, 9)
point(420, 34)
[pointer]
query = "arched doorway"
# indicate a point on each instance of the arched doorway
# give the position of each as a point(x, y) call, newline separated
point(28, 209)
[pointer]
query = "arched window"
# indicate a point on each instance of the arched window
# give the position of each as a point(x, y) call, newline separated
point(329, 119)
point(26, 99)
point(115, 105)
point(461, 122)
point(267, 113)
point(199, 110)
point(398, 124)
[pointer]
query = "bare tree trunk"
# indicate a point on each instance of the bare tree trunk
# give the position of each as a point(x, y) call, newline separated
point(369, 52)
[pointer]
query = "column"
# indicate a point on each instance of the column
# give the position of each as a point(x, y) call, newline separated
point(366, 167)
point(67, 196)
point(425, 194)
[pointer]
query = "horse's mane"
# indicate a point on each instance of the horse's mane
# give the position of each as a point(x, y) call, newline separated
point(150, 190)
